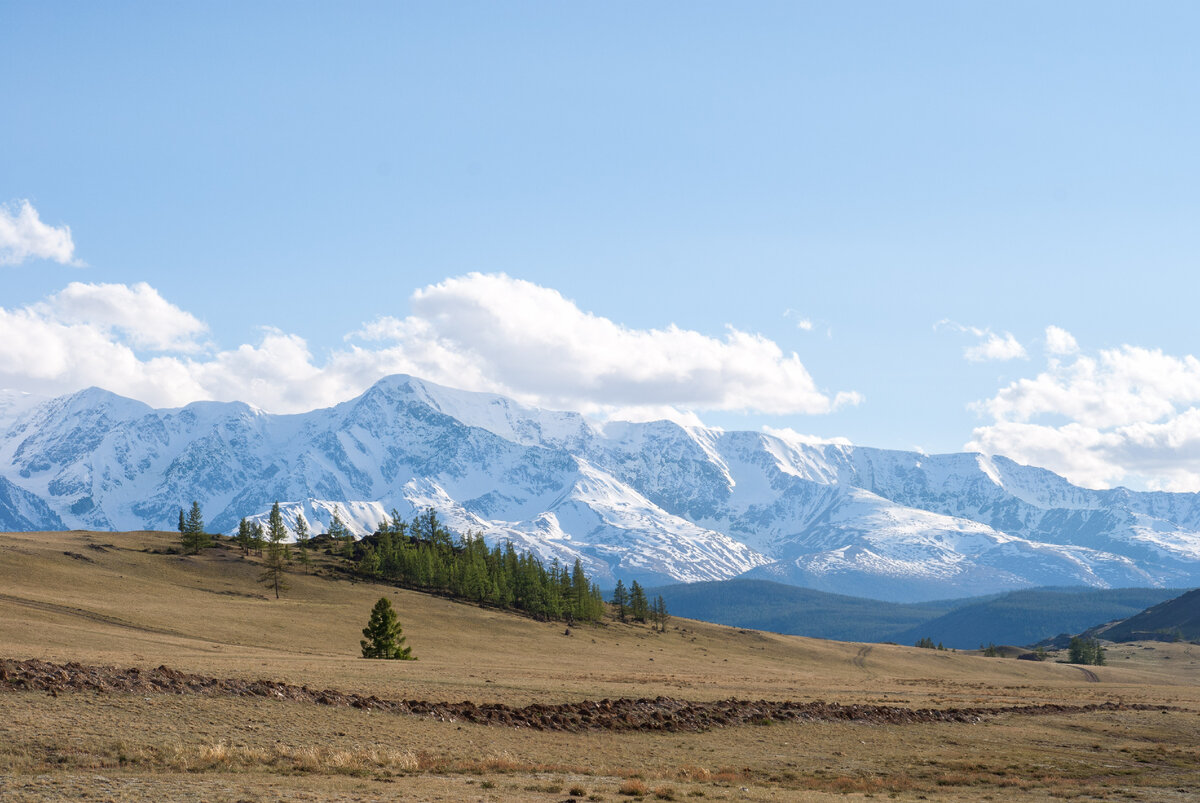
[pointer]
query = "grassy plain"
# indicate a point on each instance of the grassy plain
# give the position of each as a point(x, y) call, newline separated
point(115, 598)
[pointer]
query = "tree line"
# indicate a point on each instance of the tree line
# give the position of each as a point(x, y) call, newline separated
point(423, 554)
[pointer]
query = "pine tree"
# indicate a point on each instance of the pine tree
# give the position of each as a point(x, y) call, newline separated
point(302, 540)
point(182, 523)
point(620, 598)
point(639, 608)
point(382, 635)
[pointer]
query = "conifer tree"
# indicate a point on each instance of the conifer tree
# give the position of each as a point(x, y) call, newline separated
point(620, 598)
point(658, 610)
point(277, 533)
point(382, 636)
point(191, 533)
point(257, 537)
point(275, 566)
point(342, 538)
point(302, 540)
point(245, 536)
point(639, 608)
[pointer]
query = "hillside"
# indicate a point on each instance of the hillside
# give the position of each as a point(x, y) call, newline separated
point(1175, 619)
point(780, 608)
point(1018, 617)
point(249, 729)
point(655, 501)
point(1027, 617)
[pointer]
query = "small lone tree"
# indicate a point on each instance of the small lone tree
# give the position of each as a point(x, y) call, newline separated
point(382, 637)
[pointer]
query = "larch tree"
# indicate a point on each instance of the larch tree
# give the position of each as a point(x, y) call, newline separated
point(639, 608)
point(302, 540)
point(274, 573)
point(620, 599)
point(658, 611)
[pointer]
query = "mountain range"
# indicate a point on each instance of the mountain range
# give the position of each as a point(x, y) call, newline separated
point(657, 502)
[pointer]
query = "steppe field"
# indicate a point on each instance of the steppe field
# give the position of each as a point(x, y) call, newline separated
point(119, 600)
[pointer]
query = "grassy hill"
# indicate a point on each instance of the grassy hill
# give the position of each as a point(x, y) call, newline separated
point(117, 599)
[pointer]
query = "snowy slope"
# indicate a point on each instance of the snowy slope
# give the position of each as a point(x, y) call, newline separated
point(652, 501)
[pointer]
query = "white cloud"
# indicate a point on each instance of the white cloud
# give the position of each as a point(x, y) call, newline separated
point(992, 347)
point(995, 347)
point(1129, 415)
point(790, 435)
point(147, 319)
point(802, 323)
point(481, 332)
point(1060, 341)
point(24, 236)
point(530, 342)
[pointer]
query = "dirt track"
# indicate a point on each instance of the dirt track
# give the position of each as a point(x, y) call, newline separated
point(648, 714)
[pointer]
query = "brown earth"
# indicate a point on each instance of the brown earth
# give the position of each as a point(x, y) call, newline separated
point(624, 714)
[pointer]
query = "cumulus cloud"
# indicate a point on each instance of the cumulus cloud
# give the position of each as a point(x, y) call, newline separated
point(991, 346)
point(147, 319)
point(1127, 415)
point(479, 332)
point(24, 236)
point(531, 342)
point(995, 347)
point(1060, 341)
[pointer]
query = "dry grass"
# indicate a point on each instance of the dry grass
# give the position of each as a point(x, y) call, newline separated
point(206, 614)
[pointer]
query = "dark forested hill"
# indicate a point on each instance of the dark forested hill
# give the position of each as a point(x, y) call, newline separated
point(1177, 618)
point(1018, 617)
point(1026, 617)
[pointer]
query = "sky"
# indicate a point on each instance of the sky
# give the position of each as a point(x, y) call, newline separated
point(924, 225)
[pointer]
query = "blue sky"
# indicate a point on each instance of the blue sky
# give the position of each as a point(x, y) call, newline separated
point(879, 189)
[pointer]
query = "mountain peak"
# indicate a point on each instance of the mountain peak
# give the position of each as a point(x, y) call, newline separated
point(653, 500)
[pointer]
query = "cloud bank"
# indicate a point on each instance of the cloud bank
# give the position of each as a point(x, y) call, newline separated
point(1128, 415)
point(478, 332)
point(24, 236)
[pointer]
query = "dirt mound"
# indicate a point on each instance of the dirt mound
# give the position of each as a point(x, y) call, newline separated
point(644, 714)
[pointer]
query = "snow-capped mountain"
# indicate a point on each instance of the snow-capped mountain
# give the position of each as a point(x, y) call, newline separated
point(654, 501)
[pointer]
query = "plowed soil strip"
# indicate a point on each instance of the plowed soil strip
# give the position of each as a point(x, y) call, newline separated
point(624, 714)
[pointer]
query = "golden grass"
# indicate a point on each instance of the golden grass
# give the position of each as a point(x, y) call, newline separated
point(122, 605)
